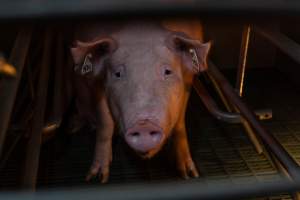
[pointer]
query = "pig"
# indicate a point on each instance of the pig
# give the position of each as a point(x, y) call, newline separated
point(135, 77)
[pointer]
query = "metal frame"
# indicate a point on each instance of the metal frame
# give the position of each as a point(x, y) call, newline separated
point(227, 93)
point(281, 41)
point(243, 59)
point(33, 148)
point(268, 139)
point(284, 162)
point(10, 86)
point(167, 190)
point(52, 9)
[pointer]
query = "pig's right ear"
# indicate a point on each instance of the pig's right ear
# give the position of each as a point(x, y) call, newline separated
point(89, 57)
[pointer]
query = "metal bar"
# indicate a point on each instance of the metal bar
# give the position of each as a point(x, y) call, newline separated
point(212, 106)
point(220, 93)
point(284, 43)
point(269, 140)
point(31, 162)
point(253, 138)
point(27, 9)
point(6, 69)
point(58, 83)
point(6, 156)
point(243, 60)
point(9, 87)
point(57, 105)
point(166, 190)
point(280, 168)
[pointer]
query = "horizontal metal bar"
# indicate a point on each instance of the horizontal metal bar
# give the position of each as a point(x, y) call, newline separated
point(48, 8)
point(269, 140)
point(284, 43)
point(163, 191)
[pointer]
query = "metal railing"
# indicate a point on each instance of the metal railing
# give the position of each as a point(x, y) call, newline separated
point(237, 112)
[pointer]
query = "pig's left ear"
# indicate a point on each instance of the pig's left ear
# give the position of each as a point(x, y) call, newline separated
point(193, 52)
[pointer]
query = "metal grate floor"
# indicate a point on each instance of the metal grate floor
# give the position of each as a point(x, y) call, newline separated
point(221, 151)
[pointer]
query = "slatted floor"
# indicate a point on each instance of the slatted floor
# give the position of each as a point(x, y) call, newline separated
point(221, 151)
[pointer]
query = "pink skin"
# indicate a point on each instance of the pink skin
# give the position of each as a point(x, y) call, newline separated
point(144, 136)
point(146, 87)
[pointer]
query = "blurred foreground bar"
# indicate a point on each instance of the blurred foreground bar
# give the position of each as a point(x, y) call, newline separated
point(167, 190)
point(48, 9)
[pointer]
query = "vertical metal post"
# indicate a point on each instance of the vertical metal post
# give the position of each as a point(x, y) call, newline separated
point(31, 163)
point(243, 60)
point(240, 83)
point(9, 87)
point(57, 105)
point(240, 86)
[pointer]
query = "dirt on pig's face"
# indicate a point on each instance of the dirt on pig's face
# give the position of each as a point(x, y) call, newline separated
point(145, 88)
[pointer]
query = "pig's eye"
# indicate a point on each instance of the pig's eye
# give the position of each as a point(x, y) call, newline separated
point(118, 72)
point(168, 72)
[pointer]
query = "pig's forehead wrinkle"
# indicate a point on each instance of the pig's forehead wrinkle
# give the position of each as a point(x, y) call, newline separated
point(141, 28)
point(142, 53)
point(135, 35)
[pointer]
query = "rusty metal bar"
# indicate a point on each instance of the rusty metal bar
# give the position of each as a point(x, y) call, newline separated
point(9, 87)
point(243, 60)
point(269, 140)
point(31, 162)
point(284, 43)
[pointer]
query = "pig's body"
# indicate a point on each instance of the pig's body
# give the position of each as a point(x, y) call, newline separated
point(140, 83)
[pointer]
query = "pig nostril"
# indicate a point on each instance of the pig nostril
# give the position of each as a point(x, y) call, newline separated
point(156, 136)
point(153, 133)
point(135, 134)
point(134, 137)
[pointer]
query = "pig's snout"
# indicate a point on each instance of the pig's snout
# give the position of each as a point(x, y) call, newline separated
point(144, 136)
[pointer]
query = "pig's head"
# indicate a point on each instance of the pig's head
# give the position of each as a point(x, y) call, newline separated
point(147, 76)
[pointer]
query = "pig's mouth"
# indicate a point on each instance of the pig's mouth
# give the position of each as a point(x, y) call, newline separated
point(145, 138)
point(150, 154)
